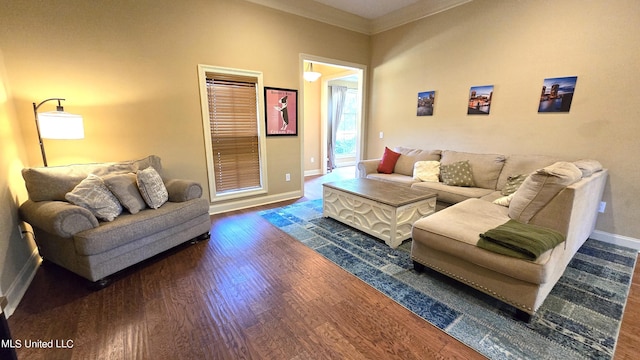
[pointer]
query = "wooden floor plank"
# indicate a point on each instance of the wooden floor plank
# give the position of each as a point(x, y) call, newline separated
point(251, 292)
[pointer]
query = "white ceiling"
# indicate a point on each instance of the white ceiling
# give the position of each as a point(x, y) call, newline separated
point(365, 16)
point(368, 9)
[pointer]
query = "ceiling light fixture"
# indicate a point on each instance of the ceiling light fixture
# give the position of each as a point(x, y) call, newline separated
point(311, 75)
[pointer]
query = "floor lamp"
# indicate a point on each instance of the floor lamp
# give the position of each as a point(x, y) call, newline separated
point(56, 125)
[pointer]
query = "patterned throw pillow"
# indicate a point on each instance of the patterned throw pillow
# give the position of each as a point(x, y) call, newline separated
point(152, 187)
point(513, 183)
point(93, 195)
point(457, 174)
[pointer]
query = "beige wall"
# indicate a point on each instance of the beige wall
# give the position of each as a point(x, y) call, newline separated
point(312, 134)
point(130, 68)
point(514, 45)
point(15, 251)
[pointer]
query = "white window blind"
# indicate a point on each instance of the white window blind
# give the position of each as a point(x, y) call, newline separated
point(233, 120)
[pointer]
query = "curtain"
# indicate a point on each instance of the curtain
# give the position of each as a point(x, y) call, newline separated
point(336, 107)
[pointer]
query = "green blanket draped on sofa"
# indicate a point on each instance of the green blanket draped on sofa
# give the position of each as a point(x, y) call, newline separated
point(516, 239)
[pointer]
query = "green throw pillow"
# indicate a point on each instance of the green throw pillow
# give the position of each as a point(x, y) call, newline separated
point(457, 174)
point(513, 183)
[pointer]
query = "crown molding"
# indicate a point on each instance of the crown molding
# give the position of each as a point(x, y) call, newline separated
point(316, 11)
point(413, 12)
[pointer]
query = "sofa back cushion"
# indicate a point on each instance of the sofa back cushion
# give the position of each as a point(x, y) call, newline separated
point(53, 183)
point(409, 156)
point(486, 168)
point(523, 165)
point(540, 187)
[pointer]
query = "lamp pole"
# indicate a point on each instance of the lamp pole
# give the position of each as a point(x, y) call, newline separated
point(35, 114)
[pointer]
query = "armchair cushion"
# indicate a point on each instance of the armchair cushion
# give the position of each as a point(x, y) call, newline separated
point(53, 183)
point(125, 188)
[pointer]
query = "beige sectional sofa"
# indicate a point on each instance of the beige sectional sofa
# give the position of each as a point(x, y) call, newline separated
point(560, 195)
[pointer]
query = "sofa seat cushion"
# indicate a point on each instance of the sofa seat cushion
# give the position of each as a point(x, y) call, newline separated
point(394, 178)
point(456, 231)
point(452, 194)
point(127, 227)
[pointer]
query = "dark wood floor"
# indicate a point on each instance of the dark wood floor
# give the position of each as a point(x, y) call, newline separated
point(251, 292)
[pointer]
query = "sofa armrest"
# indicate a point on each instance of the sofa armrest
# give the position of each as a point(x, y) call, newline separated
point(366, 167)
point(58, 217)
point(181, 190)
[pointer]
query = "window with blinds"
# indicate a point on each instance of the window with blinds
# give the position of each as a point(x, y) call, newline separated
point(234, 132)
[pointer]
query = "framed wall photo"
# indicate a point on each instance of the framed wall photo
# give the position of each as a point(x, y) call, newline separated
point(480, 100)
point(426, 100)
point(557, 94)
point(281, 111)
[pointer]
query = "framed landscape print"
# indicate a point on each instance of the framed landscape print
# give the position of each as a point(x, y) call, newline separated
point(557, 94)
point(426, 100)
point(281, 111)
point(480, 100)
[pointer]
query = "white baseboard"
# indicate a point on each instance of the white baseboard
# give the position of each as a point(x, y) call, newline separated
point(313, 172)
point(620, 240)
point(248, 203)
point(21, 283)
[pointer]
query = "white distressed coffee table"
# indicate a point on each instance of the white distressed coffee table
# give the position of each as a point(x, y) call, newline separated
point(384, 210)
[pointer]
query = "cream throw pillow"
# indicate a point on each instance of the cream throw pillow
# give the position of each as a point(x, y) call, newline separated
point(504, 200)
point(93, 195)
point(426, 171)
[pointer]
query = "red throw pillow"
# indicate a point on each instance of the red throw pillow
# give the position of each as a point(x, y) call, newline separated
point(388, 161)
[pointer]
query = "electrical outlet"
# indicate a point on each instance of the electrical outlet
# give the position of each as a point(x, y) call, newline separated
point(381, 135)
point(287, 177)
point(603, 205)
point(312, 159)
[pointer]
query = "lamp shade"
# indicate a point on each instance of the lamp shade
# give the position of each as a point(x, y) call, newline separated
point(311, 75)
point(60, 125)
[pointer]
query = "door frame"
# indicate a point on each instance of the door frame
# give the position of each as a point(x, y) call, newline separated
point(361, 71)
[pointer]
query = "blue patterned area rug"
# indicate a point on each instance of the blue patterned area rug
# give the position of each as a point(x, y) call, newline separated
point(580, 319)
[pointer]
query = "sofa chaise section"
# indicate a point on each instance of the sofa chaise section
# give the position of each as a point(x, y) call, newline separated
point(446, 242)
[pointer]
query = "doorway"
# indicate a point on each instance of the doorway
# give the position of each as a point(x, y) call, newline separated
point(334, 113)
